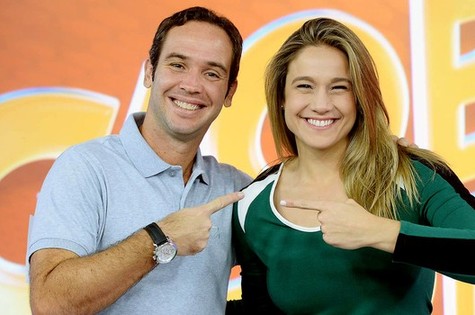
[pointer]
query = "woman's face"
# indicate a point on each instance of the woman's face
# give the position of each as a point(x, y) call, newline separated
point(320, 107)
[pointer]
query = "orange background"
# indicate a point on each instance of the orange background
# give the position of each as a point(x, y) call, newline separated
point(100, 46)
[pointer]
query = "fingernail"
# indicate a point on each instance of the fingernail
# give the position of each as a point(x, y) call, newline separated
point(283, 203)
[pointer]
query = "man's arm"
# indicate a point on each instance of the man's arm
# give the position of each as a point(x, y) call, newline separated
point(61, 282)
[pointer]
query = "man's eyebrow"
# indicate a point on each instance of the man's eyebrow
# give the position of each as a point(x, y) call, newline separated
point(209, 63)
point(175, 55)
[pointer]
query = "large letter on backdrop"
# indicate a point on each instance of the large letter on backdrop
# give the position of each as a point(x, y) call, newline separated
point(38, 124)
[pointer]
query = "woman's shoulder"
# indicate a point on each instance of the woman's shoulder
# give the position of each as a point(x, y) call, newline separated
point(429, 171)
point(271, 170)
point(425, 166)
point(264, 178)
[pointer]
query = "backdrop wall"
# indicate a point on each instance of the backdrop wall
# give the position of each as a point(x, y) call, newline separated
point(72, 70)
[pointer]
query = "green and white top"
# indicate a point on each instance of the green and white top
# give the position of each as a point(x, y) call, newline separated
point(292, 267)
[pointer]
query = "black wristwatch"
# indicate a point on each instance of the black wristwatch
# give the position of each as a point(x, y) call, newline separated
point(164, 249)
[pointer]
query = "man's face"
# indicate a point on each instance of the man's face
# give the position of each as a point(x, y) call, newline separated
point(191, 80)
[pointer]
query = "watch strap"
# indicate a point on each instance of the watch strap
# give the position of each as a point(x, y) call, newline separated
point(156, 233)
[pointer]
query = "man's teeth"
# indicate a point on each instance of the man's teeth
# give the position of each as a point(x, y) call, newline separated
point(185, 105)
point(320, 123)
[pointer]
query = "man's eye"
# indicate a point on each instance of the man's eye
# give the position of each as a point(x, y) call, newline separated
point(176, 65)
point(213, 75)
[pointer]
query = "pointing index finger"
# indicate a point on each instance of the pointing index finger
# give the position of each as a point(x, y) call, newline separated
point(223, 201)
point(304, 204)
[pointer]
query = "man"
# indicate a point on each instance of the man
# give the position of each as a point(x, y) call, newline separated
point(88, 249)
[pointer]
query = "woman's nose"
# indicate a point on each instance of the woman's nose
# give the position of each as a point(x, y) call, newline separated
point(321, 101)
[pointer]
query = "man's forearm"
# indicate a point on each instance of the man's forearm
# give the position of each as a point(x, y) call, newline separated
point(62, 282)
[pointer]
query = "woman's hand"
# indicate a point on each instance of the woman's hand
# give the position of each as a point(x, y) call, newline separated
point(348, 225)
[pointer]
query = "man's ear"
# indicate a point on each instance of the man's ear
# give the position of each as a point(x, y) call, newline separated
point(229, 96)
point(148, 77)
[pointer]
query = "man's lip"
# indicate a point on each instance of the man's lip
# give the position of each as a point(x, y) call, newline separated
point(188, 105)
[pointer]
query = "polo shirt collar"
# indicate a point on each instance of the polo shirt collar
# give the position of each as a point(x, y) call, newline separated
point(199, 169)
point(145, 160)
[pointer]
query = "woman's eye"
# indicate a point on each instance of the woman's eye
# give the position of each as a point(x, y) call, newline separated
point(304, 86)
point(340, 87)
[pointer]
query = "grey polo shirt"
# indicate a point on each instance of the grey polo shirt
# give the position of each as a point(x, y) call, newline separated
point(100, 192)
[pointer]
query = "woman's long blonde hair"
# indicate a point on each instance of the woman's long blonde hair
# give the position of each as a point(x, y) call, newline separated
point(374, 167)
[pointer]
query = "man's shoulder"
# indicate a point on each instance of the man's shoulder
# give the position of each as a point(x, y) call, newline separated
point(86, 156)
point(98, 146)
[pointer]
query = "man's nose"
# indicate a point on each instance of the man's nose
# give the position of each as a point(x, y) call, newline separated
point(191, 82)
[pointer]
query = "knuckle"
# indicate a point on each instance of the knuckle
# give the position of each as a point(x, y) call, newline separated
point(220, 203)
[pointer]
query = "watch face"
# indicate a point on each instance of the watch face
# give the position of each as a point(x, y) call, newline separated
point(165, 253)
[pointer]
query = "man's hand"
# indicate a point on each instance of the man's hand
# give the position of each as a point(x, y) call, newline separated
point(404, 142)
point(189, 228)
point(347, 225)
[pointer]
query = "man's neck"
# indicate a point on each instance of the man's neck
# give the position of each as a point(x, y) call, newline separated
point(173, 151)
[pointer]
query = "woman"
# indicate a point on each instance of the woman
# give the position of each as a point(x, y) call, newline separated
point(349, 222)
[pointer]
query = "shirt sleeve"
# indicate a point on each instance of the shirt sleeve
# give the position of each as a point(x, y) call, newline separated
point(445, 241)
point(69, 208)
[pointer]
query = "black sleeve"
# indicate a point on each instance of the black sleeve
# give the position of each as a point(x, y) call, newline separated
point(255, 297)
point(450, 256)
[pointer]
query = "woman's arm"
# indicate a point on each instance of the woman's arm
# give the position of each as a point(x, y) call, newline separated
point(441, 236)
point(447, 244)
point(426, 246)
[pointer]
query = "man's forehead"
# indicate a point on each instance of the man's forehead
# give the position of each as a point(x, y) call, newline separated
point(198, 29)
point(198, 40)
